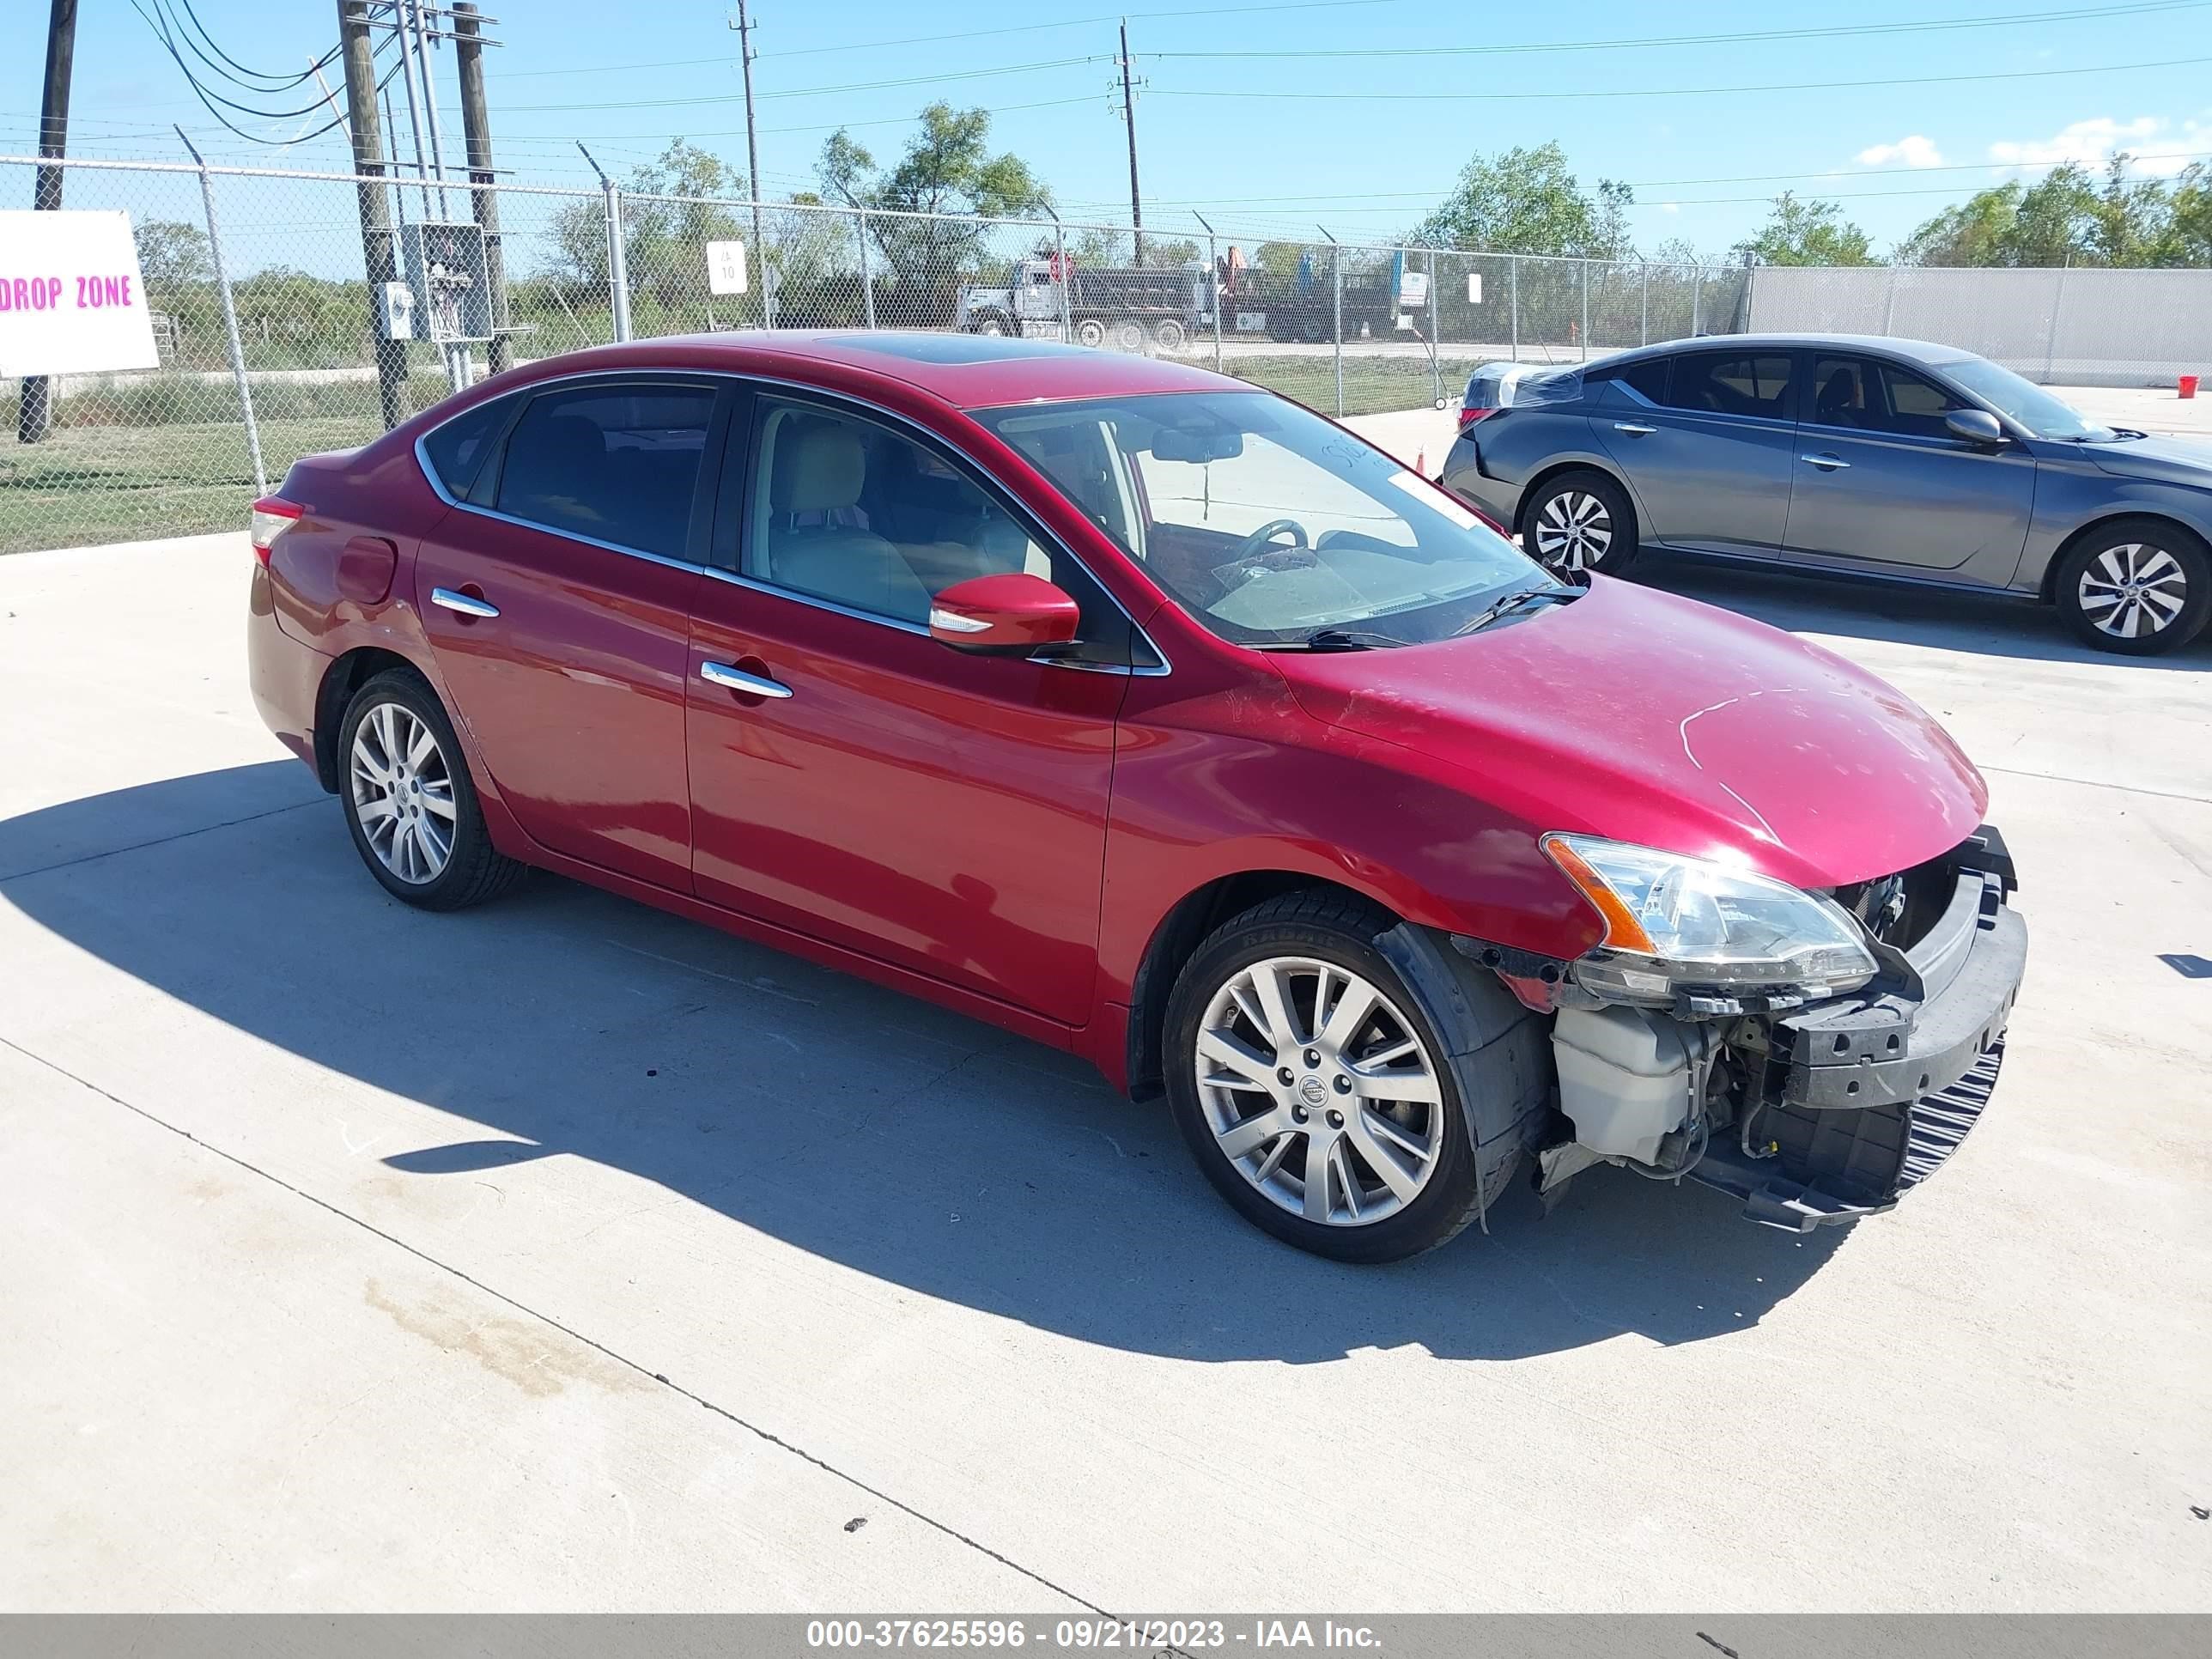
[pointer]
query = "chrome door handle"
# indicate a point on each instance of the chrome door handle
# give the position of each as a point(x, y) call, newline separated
point(1634, 429)
point(1827, 462)
point(463, 603)
point(736, 679)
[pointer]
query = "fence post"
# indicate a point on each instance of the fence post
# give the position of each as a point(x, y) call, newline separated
point(1435, 335)
point(1585, 356)
point(1889, 302)
point(867, 276)
point(1336, 311)
point(1213, 275)
point(229, 320)
point(617, 269)
point(1513, 293)
point(1697, 298)
point(2051, 333)
point(1647, 304)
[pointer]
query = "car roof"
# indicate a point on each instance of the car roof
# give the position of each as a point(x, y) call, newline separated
point(1916, 351)
point(968, 371)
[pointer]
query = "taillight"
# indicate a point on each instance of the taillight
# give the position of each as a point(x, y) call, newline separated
point(271, 516)
point(1468, 417)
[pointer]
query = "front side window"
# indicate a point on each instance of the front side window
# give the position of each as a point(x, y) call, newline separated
point(1717, 383)
point(1866, 396)
point(1266, 522)
point(846, 510)
point(615, 463)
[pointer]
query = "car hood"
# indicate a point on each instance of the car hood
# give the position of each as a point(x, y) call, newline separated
point(1648, 718)
point(2175, 460)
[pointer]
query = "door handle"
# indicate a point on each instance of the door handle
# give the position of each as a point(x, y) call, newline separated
point(1634, 429)
point(736, 679)
point(465, 604)
point(1827, 462)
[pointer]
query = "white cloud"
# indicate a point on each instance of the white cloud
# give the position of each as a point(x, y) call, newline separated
point(2157, 145)
point(1914, 150)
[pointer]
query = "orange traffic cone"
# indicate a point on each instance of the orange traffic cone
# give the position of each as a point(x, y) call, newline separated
point(1421, 460)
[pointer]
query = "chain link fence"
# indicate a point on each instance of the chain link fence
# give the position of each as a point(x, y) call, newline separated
point(274, 341)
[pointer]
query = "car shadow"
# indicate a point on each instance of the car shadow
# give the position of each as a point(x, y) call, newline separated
point(869, 1128)
point(1987, 625)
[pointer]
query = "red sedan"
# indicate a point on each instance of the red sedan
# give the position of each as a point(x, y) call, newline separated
point(1157, 718)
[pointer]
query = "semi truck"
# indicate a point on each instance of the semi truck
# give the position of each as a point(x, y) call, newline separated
point(1128, 307)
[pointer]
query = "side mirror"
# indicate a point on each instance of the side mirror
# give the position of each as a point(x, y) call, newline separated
point(1976, 426)
point(1008, 616)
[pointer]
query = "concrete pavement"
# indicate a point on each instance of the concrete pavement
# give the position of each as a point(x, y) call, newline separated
point(561, 1253)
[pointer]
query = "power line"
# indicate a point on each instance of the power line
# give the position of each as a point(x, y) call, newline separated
point(1679, 92)
point(810, 91)
point(957, 34)
point(2079, 13)
point(818, 126)
point(224, 64)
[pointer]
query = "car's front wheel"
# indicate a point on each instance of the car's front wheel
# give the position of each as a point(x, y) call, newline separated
point(409, 800)
point(2138, 586)
point(1579, 522)
point(1324, 1095)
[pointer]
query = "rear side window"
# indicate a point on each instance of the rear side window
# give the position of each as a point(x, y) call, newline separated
point(1723, 384)
point(1647, 378)
point(614, 463)
point(456, 451)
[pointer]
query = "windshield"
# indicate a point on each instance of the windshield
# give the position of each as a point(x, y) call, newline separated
point(1266, 523)
point(2025, 402)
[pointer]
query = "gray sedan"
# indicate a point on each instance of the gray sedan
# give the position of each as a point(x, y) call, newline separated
point(1876, 458)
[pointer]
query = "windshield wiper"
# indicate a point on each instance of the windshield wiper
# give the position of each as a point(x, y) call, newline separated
point(1338, 639)
point(1349, 639)
point(1483, 618)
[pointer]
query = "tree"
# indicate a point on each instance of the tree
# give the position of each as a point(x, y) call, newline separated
point(2068, 216)
point(947, 170)
point(664, 241)
point(1802, 232)
point(1526, 201)
point(172, 255)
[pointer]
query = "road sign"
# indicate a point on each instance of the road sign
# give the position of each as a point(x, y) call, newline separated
point(72, 299)
point(725, 267)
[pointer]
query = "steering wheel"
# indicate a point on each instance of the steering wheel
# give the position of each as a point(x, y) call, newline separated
point(1256, 543)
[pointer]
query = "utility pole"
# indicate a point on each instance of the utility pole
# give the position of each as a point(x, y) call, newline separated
point(1129, 120)
point(35, 409)
point(476, 133)
point(379, 262)
point(744, 25)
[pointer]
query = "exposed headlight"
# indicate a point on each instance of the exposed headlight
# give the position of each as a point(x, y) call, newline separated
point(1676, 924)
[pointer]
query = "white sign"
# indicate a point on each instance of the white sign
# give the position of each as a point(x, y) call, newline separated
point(1474, 288)
point(72, 302)
point(1413, 289)
point(725, 267)
point(399, 307)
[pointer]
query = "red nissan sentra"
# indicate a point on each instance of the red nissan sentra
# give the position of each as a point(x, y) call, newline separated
point(1161, 719)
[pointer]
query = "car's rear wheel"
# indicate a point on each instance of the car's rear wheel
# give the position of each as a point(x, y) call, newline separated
point(410, 803)
point(1090, 332)
point(1323, 1095)
point(1169, 334)
point(2136, 585)
point(1580, 522)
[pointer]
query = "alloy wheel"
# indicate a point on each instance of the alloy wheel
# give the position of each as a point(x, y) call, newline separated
point(1319, 1091)
point(1573, 531)
point(402, 789)
point(2133, 590)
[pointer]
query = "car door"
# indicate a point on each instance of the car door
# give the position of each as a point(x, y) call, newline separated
point(556, 595)
point(1708, 453)
point(855, 781)
point(1881, 480)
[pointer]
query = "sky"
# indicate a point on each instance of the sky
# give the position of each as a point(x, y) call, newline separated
point(1355, 115)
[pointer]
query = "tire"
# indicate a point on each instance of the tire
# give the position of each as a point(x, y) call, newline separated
point(2141, 574)
point(398, 709)
point(1090, 332)
point(1128, 335)
point(1169, 334)
point(993, 325)
point(1472, 1044)
point(1580, 522)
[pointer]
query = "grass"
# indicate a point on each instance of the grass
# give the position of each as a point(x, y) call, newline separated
point(89, 484)
point(132, 464)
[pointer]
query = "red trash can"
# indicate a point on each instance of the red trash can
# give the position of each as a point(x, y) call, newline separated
point(2188, 385)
